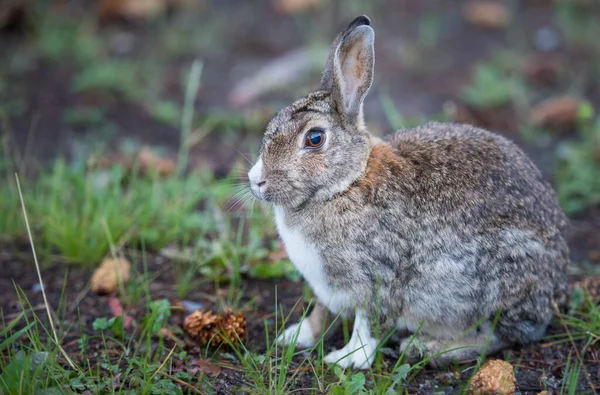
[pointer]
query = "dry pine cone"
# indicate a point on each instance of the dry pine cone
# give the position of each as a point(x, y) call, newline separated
point(207, 327)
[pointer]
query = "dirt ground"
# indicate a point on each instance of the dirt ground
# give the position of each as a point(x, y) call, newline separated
point(252, 37)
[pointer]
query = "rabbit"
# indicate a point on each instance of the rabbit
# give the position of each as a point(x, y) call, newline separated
point(446, 233)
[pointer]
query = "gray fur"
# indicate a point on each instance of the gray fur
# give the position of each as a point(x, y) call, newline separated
point(443, 224)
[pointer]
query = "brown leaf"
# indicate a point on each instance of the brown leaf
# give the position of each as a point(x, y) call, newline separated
point(149, 161)
point(278, 255)
point(494, 377)
point(201, 365)
point(558, 113)
point(131, 9)
point(105, 279)
point(116, 310)
point(293, 6)
point(487, 14)
point(541, 69)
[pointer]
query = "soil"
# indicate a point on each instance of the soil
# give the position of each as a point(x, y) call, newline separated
point(258, 35)
point(538, 366)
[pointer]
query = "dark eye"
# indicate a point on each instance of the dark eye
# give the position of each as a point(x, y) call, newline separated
point(315, 138)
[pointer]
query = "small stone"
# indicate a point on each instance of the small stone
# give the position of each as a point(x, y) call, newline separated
point(190, 306)
point(106, 278)
point(494, 377)
point(546, 39)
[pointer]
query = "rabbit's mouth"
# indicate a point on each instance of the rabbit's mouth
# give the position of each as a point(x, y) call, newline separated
point(258, 184)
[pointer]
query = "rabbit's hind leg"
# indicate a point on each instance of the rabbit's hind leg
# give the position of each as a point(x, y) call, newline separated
point(443, 352)
point(306, 332)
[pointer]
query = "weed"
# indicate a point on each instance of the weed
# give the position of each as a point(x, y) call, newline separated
point(59, 37)
point(577, 22)
point(494, 84)
point(84, 116)
point(124, 78)
point(577, 181)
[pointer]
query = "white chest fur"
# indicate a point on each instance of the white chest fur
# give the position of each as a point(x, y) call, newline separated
point(309, 263)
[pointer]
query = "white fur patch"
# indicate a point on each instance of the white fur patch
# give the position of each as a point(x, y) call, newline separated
point(309, 263)
point(255, 176)
point(360, 350)
point(301, 331)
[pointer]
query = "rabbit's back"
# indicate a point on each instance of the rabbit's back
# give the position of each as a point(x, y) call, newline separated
point(468, 175)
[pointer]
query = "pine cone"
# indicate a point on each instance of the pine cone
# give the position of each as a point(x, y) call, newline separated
point(233, 326)
point(206, 327)
point(201, 325)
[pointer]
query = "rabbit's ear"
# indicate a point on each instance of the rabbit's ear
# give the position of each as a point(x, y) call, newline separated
point(349, 72)
point(327, 79)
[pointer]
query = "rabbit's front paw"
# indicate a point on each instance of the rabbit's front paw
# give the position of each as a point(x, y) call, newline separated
point(360, 350)
point(300, 332)
point(359, 356)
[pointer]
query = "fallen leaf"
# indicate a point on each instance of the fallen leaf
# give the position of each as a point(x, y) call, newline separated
point(201, 365)
point(149, 161)
point(106, 278)
point(487, 14)
point(131, 9)
point(278, 255)
point(116, 310)
point(494, 377)
point(293, 6)
point(557, 113)
point(542, 70)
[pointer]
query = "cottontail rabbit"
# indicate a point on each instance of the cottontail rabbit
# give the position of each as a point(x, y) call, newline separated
point(444, 227)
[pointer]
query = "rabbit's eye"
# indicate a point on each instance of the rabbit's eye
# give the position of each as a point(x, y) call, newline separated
point(315, 138)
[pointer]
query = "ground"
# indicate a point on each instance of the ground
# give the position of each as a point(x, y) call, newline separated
point(78, 84)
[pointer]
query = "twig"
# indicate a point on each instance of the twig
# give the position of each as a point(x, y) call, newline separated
point(164, 362)
point(80, 297)
point(37, 266)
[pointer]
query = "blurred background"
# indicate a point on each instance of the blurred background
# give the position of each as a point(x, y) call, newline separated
point(101, 81)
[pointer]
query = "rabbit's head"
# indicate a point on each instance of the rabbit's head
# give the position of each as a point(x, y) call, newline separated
point(319, 146)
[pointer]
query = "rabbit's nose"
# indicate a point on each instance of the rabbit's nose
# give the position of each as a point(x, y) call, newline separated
point(260, 183)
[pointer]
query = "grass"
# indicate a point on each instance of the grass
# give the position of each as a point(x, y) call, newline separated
point(577, 181)
point(81, 215)
point(495, 83)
